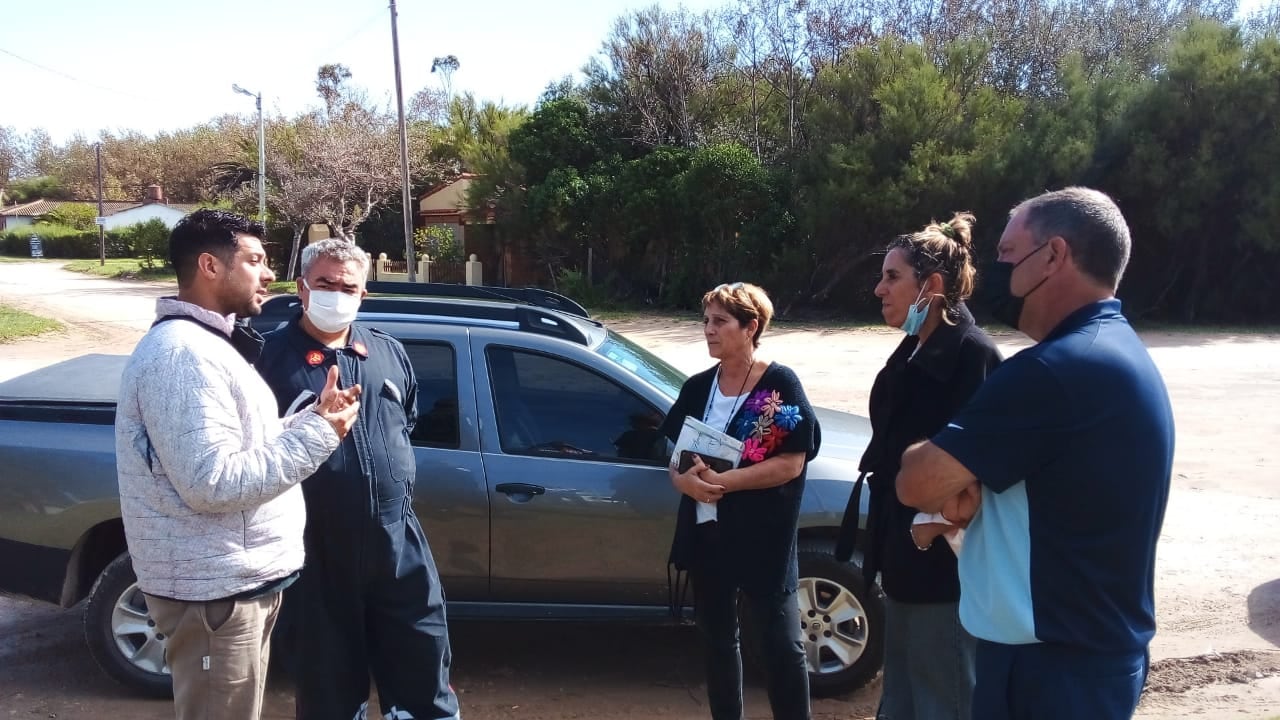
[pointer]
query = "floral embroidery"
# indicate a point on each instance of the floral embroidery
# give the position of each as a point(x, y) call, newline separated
point(788, 416)
point(764, 402)
point(764, 423)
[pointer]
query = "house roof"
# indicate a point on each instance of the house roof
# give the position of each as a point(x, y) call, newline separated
point(109, 207)
point(462, 177)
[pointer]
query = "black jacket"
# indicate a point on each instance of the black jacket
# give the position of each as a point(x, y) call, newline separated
point(758, 525)
point(913, 398)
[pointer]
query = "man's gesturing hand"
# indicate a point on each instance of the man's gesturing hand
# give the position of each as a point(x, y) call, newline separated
point(338, 406)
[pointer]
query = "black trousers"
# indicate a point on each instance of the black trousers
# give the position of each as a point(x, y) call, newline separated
point(372, 606)
point(776, 617)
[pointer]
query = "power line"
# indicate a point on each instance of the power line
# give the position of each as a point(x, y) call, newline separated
point(373, 17)
point(73, 78)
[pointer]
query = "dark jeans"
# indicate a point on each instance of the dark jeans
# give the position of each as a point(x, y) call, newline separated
point(1042, 681)
point(776, 617)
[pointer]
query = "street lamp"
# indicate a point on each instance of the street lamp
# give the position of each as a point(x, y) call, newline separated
point(262, 155)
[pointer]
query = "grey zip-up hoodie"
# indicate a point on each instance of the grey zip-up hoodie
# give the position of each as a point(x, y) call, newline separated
point(209, 474)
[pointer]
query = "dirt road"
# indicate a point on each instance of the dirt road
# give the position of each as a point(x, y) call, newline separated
point(1218, 584)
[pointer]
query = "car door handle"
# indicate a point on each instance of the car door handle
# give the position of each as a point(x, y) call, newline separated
point(520, 489)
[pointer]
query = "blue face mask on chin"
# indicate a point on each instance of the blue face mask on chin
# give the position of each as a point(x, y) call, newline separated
point(916, 315)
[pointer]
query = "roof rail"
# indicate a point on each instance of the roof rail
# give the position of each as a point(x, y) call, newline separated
point(278, 309)
point(526, 295)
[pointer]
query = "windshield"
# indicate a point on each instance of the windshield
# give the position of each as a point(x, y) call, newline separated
point(646, 365)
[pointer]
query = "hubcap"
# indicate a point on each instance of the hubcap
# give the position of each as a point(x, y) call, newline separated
point(135, 633)
point(833, 624)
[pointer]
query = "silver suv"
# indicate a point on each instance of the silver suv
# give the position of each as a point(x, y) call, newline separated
point(541, 483)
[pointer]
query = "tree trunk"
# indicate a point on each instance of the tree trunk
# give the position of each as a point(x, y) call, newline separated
point(294, 252)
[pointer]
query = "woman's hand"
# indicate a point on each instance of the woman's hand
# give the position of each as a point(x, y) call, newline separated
point(924, 534)
point(713, 478)
point(693, 482)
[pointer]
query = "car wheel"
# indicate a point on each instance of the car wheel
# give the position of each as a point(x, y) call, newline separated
point(121, 635)
point(843, 624)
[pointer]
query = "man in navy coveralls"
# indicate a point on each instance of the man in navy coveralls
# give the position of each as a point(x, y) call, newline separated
point(369, 599)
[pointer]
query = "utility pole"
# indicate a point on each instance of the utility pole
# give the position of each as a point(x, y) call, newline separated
point(262, 165)
point(404, 154)
point(102, 229)
point(262, 155)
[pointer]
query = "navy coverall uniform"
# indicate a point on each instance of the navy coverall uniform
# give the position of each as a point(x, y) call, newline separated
point(369, 598)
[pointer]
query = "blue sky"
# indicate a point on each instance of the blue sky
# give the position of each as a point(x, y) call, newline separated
point(151, 66)
point(88, 65)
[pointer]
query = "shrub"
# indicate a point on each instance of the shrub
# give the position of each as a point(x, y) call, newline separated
point(150, 243)
point(76, 216)
point(59, 241)
point(573, 284)
point(440, 242)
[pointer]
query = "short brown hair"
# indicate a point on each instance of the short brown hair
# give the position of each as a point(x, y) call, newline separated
point(1092, 225)
point(745, 302)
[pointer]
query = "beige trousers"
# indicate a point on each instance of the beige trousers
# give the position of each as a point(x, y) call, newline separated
point(217, 652)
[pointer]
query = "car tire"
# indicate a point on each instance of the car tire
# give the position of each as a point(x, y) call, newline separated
point(844, 624)
point(122, 637)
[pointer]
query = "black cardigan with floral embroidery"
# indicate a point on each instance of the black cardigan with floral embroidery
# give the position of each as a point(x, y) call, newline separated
point(757, 526)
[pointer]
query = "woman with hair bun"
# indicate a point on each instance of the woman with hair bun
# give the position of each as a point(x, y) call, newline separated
point(925, 279)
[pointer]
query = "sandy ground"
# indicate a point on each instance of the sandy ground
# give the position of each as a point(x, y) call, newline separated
point(1218, 584)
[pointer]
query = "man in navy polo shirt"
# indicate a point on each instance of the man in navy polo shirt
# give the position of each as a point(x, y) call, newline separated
point(1060, 465)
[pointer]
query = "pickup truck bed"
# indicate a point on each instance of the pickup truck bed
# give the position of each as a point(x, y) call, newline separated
point(44, 414)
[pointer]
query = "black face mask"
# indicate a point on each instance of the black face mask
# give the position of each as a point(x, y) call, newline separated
point(1005, 306)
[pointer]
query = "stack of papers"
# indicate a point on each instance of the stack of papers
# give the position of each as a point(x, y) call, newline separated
point(718, 451)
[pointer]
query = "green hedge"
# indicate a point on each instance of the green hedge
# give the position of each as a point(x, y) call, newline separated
point(68, 243)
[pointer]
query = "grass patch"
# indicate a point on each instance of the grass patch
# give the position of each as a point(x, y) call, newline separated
point(131, 269)
point(122, 269)
point(15, 324)
point(20, 259)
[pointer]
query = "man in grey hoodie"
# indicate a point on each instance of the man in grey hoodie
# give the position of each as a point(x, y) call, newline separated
point(209, 474)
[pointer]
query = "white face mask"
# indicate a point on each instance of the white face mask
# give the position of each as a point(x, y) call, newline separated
point(331, 311)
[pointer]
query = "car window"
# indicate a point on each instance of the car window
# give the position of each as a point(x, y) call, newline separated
point(550, 406)
point(647, 366)
point(436, 370)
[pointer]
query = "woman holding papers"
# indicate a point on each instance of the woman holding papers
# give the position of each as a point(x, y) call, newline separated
point(925, 279)
point(736, 528)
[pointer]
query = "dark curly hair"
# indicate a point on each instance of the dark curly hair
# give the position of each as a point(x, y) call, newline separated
point(207, 231)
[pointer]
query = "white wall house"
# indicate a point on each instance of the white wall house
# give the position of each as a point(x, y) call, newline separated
point(169, 214)
point(13, 222)
point(118, 214)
